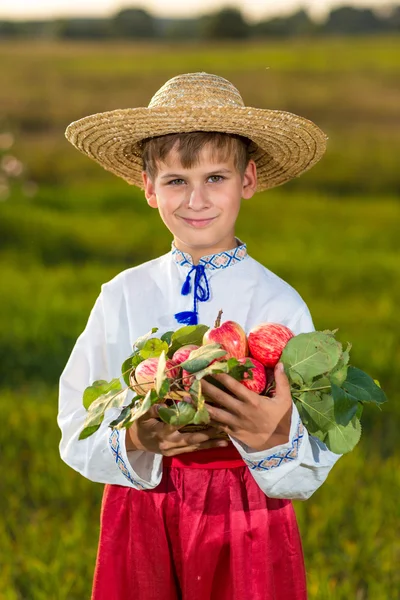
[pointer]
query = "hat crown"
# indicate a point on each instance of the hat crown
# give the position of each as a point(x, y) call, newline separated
point(197, 90)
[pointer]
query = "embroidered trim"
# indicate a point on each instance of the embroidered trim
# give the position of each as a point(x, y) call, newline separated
point(222, 260)
point(281, 457)
point(114, 445)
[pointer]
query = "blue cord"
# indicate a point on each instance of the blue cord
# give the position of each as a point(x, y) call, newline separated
point(201, 294)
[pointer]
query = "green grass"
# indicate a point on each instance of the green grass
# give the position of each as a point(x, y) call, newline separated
point(332, 234)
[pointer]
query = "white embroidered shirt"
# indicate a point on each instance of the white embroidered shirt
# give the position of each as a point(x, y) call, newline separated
point(147, 296)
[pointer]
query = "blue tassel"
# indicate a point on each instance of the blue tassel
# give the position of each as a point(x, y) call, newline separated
point(186, 317)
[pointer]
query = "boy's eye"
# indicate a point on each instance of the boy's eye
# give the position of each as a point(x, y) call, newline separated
point(216, 178)
point(176, 182)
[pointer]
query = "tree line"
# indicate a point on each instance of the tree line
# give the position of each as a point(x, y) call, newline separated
point(227, 23)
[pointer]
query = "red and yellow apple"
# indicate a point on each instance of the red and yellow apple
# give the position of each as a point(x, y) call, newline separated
point(259, 381)
point(143, 378)
point(179, 357)
point(267, 341)
point(230, 336)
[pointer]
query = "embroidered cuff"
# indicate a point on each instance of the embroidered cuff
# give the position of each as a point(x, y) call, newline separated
point(281, 457)
point(114, 441)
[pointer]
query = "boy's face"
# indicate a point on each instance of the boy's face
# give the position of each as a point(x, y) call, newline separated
point(199, 205)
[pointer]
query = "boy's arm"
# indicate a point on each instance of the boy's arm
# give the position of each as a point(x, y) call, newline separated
point(296, 469)
point(299, 463)
point(102, 457)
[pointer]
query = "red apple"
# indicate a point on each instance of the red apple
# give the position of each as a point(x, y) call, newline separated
point(267, 341)
point(187, 379)
point(143, 379)
point(182, 353)
point(179, 357)
point(259, 381)
point(230, 335)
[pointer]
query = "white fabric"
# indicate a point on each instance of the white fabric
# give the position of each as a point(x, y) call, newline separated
point(148, 296)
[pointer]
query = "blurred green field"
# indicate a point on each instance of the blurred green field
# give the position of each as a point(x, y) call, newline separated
point(333, 234)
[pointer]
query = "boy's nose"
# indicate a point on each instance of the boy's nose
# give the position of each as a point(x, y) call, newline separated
point(198, 198)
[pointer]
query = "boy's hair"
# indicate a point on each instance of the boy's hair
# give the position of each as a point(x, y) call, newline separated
point(188, 145)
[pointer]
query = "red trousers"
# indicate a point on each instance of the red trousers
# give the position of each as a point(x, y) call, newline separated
point(206, 532)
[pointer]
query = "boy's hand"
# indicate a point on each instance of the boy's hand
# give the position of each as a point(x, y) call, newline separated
point(148, 433)
point(259, 422)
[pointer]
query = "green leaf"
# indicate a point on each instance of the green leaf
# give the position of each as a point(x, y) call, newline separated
point(339, 372)
point(238, 370)
point(166, 414)
point(362, 387)
point(232, 366)
point(342, 439)
point(181, 414)
point(215, 367)
point(99, 388)
point(345, 405)
point(140, 342)
point(88, 431)
point(294, 377)
point(165, 387)
point(321, 382)
point(306, 418)
point(319, 434)
point(195, 392)
point(330, 332)
point(338, 376)
point(359, 410)
point(153, 348)
point(320, 408)
point(119, 422)
point(346, 354)
point(311, 355)
point(189, 334)
point(167, 337)
point(201, 417)
point(200, 359)
point(98, 407)
point(197, 395)
point(130, 363)
point(161, 377)
point(142, 405)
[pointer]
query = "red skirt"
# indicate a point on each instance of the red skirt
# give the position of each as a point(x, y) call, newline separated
point(206, 532)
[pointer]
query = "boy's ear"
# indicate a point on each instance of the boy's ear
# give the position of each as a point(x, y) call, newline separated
point(149, 190)
point(249, 185)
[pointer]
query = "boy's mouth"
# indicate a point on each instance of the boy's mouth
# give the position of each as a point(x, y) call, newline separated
point(198, 223)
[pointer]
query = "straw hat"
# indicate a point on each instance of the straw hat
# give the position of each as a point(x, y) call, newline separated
point(285, 145)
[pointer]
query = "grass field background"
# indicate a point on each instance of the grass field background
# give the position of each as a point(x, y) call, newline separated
point(66, 226)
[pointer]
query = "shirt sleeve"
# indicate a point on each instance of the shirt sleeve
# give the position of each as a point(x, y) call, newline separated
point(294, 470)
point(102, 457)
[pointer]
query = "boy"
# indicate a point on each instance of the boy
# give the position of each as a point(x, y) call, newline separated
point(182, 515)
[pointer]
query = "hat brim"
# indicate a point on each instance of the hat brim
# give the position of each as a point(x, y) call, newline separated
point(287, 144)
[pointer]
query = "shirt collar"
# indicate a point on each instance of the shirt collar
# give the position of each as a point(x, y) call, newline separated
point(222, 260)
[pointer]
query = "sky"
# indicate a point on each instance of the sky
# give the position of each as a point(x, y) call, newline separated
point(254, 10)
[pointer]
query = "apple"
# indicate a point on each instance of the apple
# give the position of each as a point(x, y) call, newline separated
point(259, 381)
point(230, 335)
point(267, 341)
point(182, 353)
point(180, 356)
point(143, 379)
